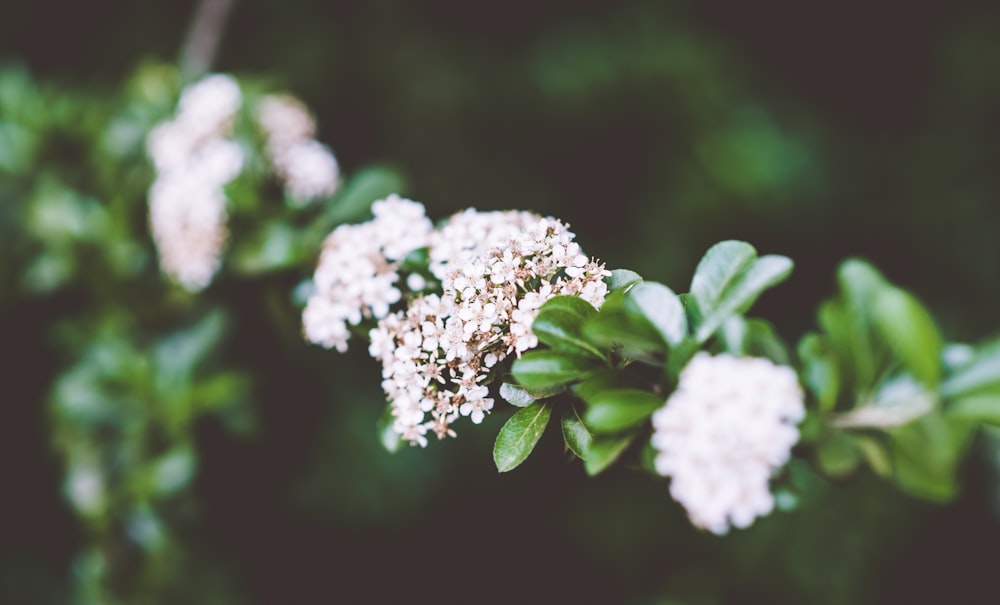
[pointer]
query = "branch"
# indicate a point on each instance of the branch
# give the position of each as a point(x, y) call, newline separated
point(204, 34)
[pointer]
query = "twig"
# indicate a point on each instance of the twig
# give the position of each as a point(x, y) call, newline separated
point(203, 37)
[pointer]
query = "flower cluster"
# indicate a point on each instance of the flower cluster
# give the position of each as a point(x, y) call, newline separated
point(437, 353)
point(193, 161)
point(722, 433)
point(357, 272)
point(308, 168)
point(471, 233)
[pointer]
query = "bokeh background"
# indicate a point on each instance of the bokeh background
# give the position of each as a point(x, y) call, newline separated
point(817, 131)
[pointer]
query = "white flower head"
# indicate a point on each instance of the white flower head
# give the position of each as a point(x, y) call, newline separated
point(497, 269)
point(284, 120)
point(210, 103)
point(308, 168)
point(194, 161)
point(727, 427)
point(357, 272)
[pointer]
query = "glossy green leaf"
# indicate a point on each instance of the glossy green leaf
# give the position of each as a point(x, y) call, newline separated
point(604, 450)
point(543, 373)
point(575, 433)
point(612, 327)
point(718, 269)
point(515, 395)
point(612, 411)
point(517, 438)
point(741, 292)
point(910, 332)
point(621, 279)
point(559, 325)
point(661, 308)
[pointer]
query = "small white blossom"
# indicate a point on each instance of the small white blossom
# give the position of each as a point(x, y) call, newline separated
point(729, 425)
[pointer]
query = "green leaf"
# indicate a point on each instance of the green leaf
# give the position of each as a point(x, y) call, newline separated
point(720, 266)
point(613, 411)
point(848, 321)
point(729, 279)
point(875, 453)
point(753, 338)
point(515, 395)
point(178, 355)
point(837, 455)
point(602, 379)
point(369, 184)
point(976, 408)
point(743, 291)
point(276, 246)
point(661, 308)
point(544, 373)
point(612, 327)
point(909, 330)
point(519, 435)
point(621, 279)
point(604, 450)
point(173, 471)
point(979, 375)
point(575, 433)
point(559, 325)
point(820, 371)
point(926, 454)
point(353, 201)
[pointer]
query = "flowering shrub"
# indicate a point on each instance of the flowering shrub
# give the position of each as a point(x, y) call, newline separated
point(223, 187)
point(687, 384)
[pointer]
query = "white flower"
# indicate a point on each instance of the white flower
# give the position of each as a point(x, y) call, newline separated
point(208, 104)
point(470, 234)
point(308, 168)
point(194, 161)
point(729, 425)
point(499, 270)
point(284, 120)
point(356, 275)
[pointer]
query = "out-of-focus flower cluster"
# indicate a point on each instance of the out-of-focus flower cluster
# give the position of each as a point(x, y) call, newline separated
point(307, 167)
point(495, 270)
point(194, 160)
point(729, 425)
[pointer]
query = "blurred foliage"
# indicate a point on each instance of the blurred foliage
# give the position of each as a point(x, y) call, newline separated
point(210, 456)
